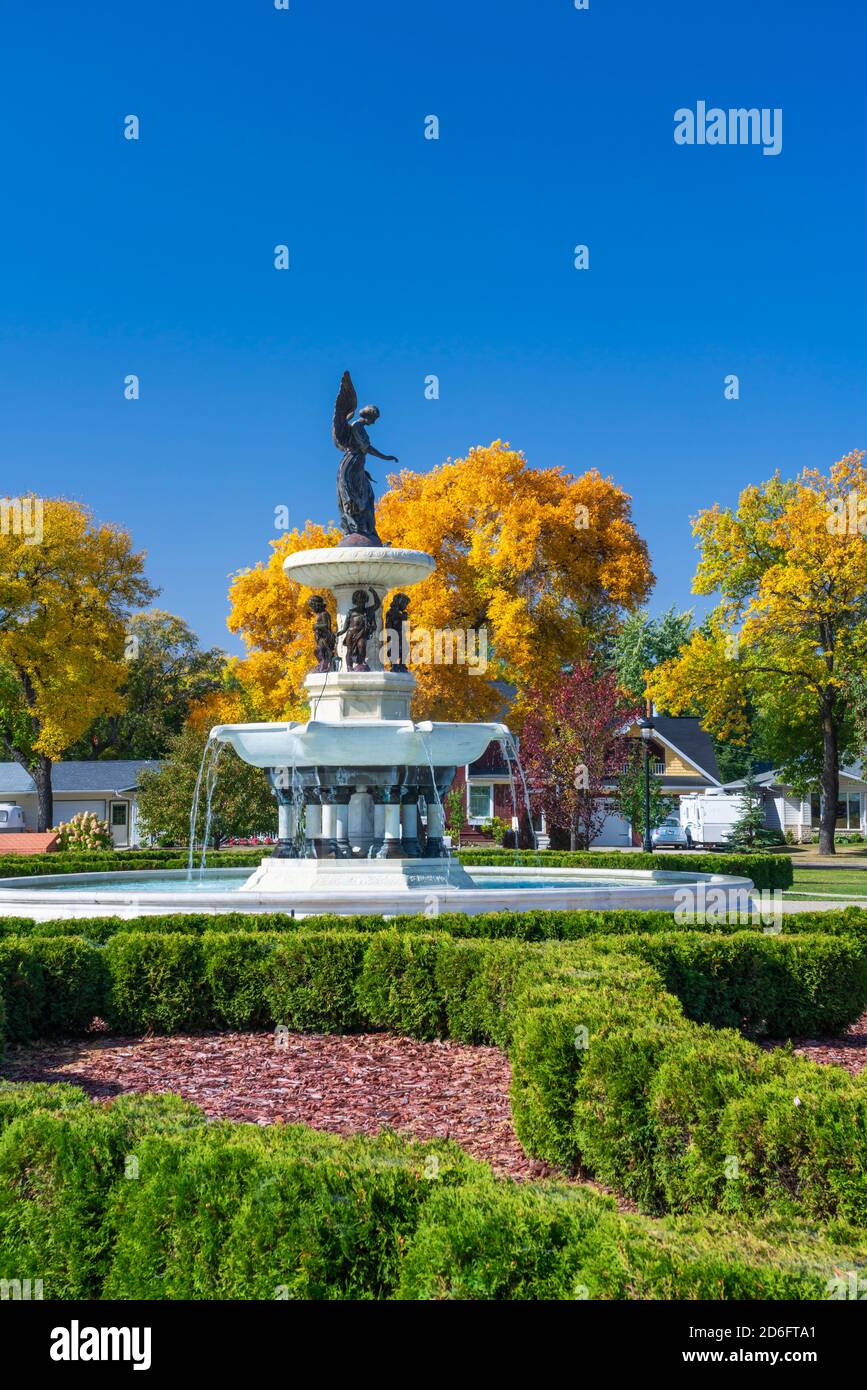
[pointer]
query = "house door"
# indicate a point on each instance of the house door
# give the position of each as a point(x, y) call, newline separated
point(119, 822)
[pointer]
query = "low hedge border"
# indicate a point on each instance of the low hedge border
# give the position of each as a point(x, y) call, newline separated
point(143, 1200)
point(535, 925)
point(610, 1070)
point(766, 870)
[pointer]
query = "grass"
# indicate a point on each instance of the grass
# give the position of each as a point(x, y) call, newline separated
point(845, 885)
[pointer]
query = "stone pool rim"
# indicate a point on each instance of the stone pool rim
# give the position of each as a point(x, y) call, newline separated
point(639, 889)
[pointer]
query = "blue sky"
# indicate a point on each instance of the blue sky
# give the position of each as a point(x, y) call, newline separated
point(411, 257)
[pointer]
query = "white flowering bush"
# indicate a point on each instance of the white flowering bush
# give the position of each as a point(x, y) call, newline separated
point(84, 831)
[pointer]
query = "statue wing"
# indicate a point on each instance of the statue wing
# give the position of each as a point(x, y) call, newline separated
point(344, 408)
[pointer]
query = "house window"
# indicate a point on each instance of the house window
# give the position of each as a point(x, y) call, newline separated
point(848, 813)
point(480, 800)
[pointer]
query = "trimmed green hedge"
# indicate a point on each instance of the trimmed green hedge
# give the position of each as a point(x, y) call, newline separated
point(603, 1054)
point(535, 925)
point(143, 1200)
point(765, 870)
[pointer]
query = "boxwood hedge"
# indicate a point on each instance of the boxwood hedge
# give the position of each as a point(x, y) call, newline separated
point(142, 1200)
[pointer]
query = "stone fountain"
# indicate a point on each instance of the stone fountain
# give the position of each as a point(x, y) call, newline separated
point(359, 786)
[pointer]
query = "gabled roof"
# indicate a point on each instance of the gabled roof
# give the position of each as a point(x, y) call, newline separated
point(106, 776)
point(684, 735)
point(855, 772)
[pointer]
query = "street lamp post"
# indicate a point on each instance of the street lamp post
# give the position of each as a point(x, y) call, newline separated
point(645, 724)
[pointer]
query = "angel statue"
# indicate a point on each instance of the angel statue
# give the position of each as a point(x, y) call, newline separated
point(354, 483)
point(359, 627)
point(324, 635)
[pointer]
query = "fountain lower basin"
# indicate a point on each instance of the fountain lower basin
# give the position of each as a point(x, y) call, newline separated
point(364, 888)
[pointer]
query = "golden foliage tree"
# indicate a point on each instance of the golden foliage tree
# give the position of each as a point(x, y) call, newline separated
point(66, 592)
point(541, 563)
point(790, 630)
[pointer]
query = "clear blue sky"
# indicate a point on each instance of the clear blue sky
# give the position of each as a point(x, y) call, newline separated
point(411, 257)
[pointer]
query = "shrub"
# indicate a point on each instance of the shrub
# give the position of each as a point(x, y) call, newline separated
point(234, 965)
point(768, 985)
point(502, 1241)
point(84, 831)
point(157, 983)
point(56, 1172)
point(800, 1139)
point(22, 985)
point(76, 984)
point(310, 981)
point(397, 987)
point(765, 870)
point(701, 1073)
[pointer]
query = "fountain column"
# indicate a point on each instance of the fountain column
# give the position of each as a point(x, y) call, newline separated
point(328, 838)
point(380, 796)
point(393, 849)
point(341, 821)
point(313, 825)
point(409, 823)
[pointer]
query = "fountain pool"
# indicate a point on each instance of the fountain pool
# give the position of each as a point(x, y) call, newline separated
point(367, 887)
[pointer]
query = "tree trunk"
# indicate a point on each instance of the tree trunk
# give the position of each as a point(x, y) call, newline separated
point(830, 776)
point(573, 832)
point(41, 775)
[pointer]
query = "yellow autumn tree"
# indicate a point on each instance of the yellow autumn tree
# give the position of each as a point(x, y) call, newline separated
point(534, 569)
point(269, 613)
point(789, 632)
point(67, 588)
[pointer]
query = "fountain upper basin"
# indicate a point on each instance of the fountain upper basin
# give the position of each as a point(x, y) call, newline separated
point(359, 743)
point(385, 567)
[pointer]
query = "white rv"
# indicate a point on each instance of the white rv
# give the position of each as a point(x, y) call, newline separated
point(11, 817)
point(710, 816)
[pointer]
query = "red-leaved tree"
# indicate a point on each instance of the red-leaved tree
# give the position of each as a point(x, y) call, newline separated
point(572, 747)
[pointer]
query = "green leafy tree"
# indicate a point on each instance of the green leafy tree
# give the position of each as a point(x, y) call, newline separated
point(167, 673)
point(456, 815)
point(749, 828)
point(242, 805)
point(643, 643)
point(630, 792)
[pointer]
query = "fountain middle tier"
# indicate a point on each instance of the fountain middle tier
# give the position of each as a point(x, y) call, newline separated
point(358, 743)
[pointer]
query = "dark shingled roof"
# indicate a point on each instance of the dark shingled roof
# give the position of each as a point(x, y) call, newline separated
point(687, 735)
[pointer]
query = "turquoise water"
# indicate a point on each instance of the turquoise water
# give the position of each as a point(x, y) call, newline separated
point(227, 881)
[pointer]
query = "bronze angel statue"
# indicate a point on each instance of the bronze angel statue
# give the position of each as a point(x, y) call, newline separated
point(354, 483)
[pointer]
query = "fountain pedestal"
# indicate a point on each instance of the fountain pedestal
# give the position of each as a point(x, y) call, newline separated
point(362, 875)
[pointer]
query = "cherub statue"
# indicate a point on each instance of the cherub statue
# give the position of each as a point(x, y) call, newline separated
point(360, 625)
point(397, 635)
point(323, 633)
point(354, 483)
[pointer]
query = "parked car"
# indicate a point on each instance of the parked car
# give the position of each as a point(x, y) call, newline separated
point(671, 832)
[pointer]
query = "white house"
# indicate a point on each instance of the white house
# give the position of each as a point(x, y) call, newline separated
point(107, 787)
point(785, 810)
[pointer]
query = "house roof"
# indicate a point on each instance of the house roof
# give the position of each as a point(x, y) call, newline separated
point(685, 735)
point(855, 772)
point(108, 776)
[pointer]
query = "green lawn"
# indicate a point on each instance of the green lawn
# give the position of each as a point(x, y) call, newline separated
point(843, 884)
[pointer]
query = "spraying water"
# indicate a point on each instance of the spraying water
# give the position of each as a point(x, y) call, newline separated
point(447, 848)
point(208, 775)
point(510, 752)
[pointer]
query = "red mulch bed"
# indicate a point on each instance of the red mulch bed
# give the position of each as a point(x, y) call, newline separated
point(848, 1051)
point(349, 1085)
